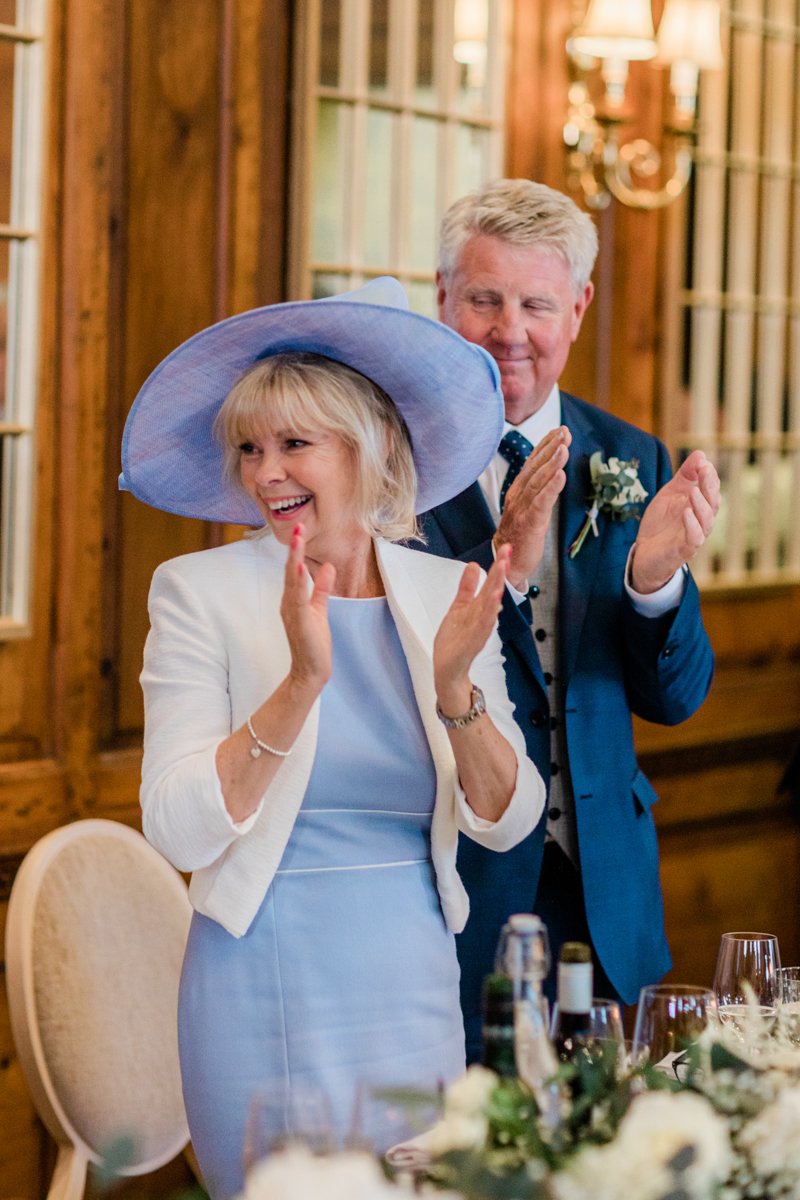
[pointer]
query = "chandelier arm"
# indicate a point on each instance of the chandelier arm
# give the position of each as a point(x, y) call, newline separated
point(619, 179)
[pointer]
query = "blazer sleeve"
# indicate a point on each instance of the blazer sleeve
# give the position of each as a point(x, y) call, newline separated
point(187, 714)
point(528, 800)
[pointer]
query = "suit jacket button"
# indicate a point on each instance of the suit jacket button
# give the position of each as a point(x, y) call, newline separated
point(533, 591)
point(538, 718)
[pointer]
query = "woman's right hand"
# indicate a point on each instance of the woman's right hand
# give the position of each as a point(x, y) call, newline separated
point(305, 617)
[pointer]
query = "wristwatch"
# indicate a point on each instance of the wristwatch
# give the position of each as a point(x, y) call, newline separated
point(477, 708)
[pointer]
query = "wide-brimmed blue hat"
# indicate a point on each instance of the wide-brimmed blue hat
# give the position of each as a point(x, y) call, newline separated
point(447, 390)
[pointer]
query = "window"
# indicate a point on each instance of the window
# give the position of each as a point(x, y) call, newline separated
point(400, 112)
point(740, 367)
point(21, 120)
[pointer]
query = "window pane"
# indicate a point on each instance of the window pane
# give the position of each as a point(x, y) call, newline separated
point(4, 262)
point(472, 150)
point(330, 42)
point(422, 298)
point(470, 48)
point(378, 188)
point(328, 184)
point(424, 74)
point(329, 285)
point(421, 199)
point(379, 47)
point(7, 55)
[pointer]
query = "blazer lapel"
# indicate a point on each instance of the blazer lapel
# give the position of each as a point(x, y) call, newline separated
point(577, 574)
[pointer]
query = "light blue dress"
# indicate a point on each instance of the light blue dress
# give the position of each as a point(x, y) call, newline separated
point(348, 973)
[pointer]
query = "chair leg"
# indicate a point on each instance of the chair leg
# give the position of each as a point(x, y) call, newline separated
point(69, 1176)
point(190, 1158)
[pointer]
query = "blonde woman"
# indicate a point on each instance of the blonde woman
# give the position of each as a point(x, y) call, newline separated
point(325, 709)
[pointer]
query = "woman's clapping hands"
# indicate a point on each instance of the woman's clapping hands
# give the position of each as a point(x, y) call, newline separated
point(464, 631)
point(305, 616)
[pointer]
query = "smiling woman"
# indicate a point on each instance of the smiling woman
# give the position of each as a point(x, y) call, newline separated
point(293, 757)
point(289, 412)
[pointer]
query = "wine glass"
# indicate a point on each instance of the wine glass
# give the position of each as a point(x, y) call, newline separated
point(280, 1115)
point(789, 1011)
point(669, 1018)
point(747, 982)
point(604, 1024)
point(387, 1116)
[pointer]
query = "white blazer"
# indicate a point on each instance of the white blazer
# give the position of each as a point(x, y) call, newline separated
point(216, 649)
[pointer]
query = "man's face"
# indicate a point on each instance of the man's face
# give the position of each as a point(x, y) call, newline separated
point(520, 304)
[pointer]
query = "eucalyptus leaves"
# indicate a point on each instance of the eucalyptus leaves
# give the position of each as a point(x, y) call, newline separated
point(616, 491)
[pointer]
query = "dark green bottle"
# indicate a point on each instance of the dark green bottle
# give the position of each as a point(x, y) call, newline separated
point(498, 1025)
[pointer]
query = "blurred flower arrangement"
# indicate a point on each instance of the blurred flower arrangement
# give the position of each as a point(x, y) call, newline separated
point(725, 1126)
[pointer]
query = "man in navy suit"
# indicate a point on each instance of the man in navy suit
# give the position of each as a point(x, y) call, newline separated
point(591, 638)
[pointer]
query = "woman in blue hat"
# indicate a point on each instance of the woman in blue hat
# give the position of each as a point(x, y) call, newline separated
point(325, 708)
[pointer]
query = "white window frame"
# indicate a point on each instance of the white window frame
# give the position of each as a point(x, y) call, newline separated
point(354, 96)
point(23, 236)
point(743, 306)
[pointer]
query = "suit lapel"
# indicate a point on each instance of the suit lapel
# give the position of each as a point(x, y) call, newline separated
point(577, 574)
point(465, 520)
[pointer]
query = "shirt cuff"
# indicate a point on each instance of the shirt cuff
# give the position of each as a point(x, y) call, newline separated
point(656, 604)
point(515, 595)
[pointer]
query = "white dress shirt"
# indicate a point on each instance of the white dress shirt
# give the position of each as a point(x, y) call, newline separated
point(534, 428)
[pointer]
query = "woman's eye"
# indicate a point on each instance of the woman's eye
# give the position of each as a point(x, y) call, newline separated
point(247, 448)
point(295, 443)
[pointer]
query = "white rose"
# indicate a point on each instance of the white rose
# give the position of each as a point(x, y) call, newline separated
point(454, 1133)
point(773, 1137)
point(468, 1095)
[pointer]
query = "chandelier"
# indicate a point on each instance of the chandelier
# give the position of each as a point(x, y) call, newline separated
point(613, 34)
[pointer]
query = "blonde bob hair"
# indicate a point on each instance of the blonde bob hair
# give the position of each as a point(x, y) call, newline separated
point(299, 390)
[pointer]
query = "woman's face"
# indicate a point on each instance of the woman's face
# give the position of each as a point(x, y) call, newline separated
point(304, 475)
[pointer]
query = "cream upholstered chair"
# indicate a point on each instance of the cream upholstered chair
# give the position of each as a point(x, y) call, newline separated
point(96, 929)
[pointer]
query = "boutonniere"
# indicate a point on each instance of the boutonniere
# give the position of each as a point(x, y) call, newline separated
point(616, 491)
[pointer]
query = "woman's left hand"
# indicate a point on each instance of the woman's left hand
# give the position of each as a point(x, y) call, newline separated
point(464, 631)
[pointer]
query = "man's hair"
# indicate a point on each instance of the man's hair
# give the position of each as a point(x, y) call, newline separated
point(522, 213)
point(299, 390)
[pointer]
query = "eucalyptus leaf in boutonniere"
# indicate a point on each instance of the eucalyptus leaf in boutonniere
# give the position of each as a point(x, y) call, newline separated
point(616, 491)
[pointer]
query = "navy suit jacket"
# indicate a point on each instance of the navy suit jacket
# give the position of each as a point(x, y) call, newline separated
point(614, 662)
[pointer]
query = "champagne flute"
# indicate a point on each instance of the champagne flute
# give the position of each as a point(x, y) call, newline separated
point(281, 1115)
point(670, 1017)
point(747, 982)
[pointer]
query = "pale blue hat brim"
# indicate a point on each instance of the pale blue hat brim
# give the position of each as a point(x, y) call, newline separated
point(447, 390)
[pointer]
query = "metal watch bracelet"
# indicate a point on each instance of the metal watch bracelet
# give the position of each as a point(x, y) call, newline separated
point(477, 708)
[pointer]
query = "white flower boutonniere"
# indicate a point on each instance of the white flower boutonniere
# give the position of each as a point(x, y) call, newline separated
point(616, 491)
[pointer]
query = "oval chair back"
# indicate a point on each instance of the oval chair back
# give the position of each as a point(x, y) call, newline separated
point(96, 930)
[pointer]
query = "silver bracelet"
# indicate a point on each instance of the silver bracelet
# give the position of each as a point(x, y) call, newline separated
point(255, 751)
point(477, 709)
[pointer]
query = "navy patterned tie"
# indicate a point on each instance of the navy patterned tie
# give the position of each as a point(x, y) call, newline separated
point(515, 449)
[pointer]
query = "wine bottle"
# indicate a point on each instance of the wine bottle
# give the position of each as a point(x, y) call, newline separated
point(497, 1053)
point(537, 1065)
point(572, 1026)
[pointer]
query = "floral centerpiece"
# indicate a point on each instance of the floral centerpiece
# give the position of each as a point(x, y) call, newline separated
point(725, 1126)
